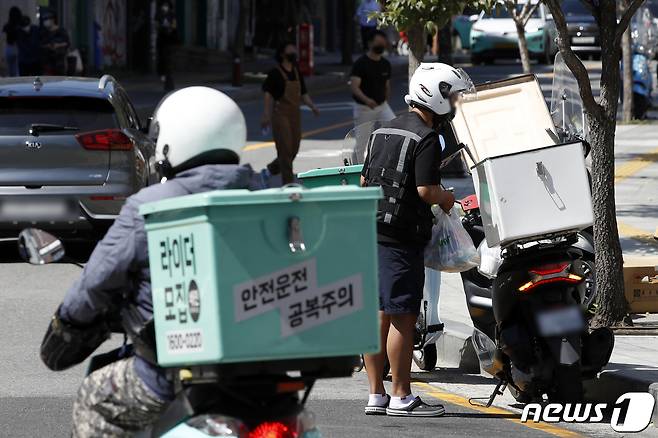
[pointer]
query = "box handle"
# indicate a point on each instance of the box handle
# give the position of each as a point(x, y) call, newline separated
point(545, 176)
point(295, 238)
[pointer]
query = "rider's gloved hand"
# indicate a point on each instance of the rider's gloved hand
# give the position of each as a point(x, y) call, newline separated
point(65, 344)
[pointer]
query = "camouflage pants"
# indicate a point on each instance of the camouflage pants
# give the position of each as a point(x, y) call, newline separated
point(114, 402)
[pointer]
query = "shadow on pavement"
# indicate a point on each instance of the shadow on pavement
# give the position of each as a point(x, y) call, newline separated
point(450, 375)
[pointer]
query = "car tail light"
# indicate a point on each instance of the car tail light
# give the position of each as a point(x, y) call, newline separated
point(553, 273)
point(105, 140)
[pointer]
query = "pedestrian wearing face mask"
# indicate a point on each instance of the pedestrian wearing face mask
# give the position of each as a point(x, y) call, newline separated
point(285, 91)
point(370, 82)
point(55, 43)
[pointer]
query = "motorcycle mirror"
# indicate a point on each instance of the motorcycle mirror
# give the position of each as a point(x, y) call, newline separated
point(38, 247)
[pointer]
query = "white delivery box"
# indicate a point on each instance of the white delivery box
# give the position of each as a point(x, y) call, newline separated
point(504, 117)
point(527, 184)
point(534, 193)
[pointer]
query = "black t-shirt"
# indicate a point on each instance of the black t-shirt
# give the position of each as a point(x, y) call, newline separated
point(12, 32)
point(374, 75)
point(275, 84)
point(426, 168)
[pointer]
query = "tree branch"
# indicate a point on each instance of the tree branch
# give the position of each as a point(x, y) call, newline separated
point(625, 20)
point(570, 58)
point(528, 14)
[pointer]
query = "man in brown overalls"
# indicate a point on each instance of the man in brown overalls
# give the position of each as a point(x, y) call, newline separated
point(285, 91)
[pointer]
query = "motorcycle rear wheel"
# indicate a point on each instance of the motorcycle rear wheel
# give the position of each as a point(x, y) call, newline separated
point(568, 384)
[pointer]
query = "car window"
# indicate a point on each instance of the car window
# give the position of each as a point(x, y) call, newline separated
point(500, 11)
point(574, 7)
point(128, 109)
point(87, 114)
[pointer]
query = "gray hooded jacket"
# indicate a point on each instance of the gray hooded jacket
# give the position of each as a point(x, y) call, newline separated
point(120, 262)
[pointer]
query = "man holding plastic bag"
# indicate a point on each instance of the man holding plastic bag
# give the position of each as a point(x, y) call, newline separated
point(403, 158)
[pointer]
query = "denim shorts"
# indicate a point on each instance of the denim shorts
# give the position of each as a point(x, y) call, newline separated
point(401, 278)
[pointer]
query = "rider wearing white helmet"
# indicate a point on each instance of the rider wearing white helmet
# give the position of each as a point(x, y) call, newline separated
point(200, 134)
point(403, 158)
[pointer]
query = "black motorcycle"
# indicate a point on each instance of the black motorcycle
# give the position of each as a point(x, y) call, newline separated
point(242, 400)
point(531, 314)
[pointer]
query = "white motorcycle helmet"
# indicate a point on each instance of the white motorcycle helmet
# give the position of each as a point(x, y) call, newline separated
point(433, 85)
point(196, 126)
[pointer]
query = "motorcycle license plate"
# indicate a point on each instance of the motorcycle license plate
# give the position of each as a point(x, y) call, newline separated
point(560, 322)
point(582, 40)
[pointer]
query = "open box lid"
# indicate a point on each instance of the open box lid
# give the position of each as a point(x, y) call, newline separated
point(502, 118)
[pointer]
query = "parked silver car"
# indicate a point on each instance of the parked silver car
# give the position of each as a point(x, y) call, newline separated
point(71, 151)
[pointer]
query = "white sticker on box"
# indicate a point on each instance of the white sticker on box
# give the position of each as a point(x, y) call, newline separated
point(184, 341)
point(321, 305)
point(295, 293)
point(268, 292)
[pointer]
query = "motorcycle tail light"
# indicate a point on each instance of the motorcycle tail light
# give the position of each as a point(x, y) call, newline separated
point(273, 429)
point(547, 274)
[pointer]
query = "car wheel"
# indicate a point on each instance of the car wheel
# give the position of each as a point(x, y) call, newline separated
point(476, 59)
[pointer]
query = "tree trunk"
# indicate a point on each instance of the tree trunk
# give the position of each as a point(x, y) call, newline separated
point(417, 47)
point(445, 44)
point(523, 46)
point(611, 302)
point(627, 108)
point(348, 32)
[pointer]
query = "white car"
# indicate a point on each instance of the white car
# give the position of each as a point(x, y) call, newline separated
point(494, 35)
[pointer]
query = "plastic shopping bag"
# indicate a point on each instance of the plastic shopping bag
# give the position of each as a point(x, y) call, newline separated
point(451, 248)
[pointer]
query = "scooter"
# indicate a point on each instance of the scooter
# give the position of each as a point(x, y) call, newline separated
point(245, 400)
point(530, 301)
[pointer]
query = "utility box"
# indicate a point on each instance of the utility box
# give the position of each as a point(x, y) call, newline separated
point(535, 193)
point(332, 176)
point(241, 276)
point(641, 283)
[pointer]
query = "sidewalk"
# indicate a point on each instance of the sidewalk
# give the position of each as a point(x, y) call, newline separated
point(328, 75)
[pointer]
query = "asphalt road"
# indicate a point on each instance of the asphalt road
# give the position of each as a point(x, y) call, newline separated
point(37, 402)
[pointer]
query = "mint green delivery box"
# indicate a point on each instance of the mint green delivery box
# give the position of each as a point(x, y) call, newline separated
point(241, 276)
point(332, 176)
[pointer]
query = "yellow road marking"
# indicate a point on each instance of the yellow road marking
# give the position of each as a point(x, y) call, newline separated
point(634, 233)
point(503, 413)
point(626, 170)
point(630, 168)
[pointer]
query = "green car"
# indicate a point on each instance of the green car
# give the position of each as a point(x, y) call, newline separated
point(494, 36)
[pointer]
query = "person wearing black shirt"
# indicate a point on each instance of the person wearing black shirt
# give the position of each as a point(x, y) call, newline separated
point(403, 158)
point(167, 36)
point(370, 82)
point(285, 91)
point(55, 43)
point(28, 49)
point(11, 29)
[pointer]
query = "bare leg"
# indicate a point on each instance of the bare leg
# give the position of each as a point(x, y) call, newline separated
point(375, 362)
point(400, 349)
